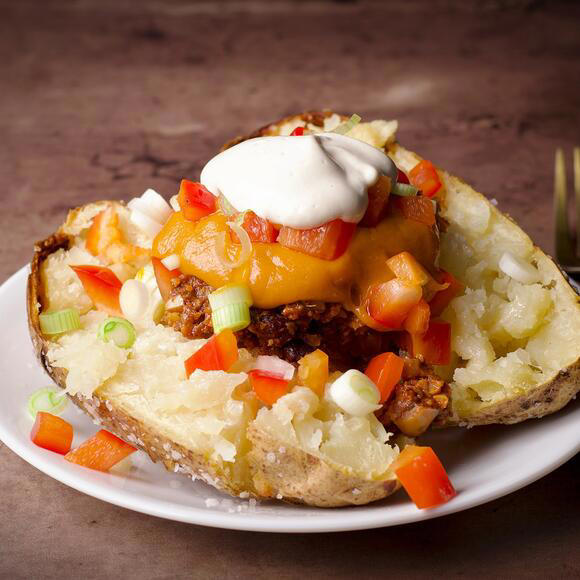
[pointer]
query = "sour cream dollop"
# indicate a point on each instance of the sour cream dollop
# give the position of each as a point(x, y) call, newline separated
point(299, 181)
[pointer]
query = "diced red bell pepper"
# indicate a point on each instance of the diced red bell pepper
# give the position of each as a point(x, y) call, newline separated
point(327, 242)
point(390, 303)
point(406, 267)
point(101, 452)
point(423, 477)
point(435, 345)
point(401, 177)
point(219, 353)
point(164, 276)
point(378, 199)
point(440, 301)
point(424, 176)
point(418, 208)
point(385, 371)
point(298, 132)
point(417, 321)
point(52, 433)
point(267, 388)
point(102, 286)
point(259, 229)
point(195, 200)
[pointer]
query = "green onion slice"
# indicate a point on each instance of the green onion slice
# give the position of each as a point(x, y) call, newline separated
point(119, 330)
point(230, 294)
point(48, 399)
point(404, 190)
point(232, 316)
point(59, 321)
point(225, 206)
point(348, 125)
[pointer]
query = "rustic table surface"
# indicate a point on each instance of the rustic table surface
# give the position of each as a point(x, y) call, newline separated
point(104, 98)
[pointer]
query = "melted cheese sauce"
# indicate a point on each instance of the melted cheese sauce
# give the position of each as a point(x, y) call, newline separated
point(278, 275)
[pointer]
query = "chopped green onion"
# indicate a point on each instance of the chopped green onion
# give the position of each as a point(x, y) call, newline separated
point(48, 399)
point(119, 330)
point(60, 321)
point(348, 125)
point(225, 206)
point(232, 316)
point(404, 190)
point(230, 294)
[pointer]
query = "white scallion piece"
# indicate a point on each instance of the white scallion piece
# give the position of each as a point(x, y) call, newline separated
point(174, 203)
point(355, 393)
point(134, 299)
point(518, 269)
point(245, 250)
point(146, 224)
point(274, 367)
point(171, 262)
point(159, 208)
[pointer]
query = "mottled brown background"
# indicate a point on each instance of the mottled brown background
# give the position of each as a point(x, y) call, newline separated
point(104, 98)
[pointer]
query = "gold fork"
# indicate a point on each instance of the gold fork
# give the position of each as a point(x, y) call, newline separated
point(567, 252)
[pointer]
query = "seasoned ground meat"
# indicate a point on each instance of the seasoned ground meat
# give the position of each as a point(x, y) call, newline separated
point(289, 331)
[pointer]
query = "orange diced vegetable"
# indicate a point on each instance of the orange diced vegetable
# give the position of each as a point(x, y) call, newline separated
point(385, 370)
point(423, 477)
point(267, 388)
point(219, 353)
point(417, 321)
point(327, 242)
point(259, 229)
point(313, 371)
point(406, 267)
point(378, 199)
point(390, 303)
point(195, 200)
point(418, 208)
point(101, 452)
point(102, 286)
point(424, 176)
point(442, 298)
point(435, 345)
point(52, 433)
point(164, 276)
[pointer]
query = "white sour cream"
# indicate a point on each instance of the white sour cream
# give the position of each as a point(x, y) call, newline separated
point(301, 182)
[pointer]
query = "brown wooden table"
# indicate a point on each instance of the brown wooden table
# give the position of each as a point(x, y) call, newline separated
point(104, 98)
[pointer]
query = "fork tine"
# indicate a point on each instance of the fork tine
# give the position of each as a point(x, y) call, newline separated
point(577, 191)
point(564, 248)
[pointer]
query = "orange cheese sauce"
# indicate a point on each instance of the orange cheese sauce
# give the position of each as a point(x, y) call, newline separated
point(278, 275)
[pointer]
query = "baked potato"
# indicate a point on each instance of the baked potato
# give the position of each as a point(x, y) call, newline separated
point(516, 356)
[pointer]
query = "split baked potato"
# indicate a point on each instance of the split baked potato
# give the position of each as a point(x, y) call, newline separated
point(516, 355)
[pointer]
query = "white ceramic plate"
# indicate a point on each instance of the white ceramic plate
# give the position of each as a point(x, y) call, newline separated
point(484, 463)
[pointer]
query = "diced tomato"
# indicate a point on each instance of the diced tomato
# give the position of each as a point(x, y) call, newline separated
point(385, 371)
point(268, 389)
point(423, 477)
point(102, 286)
point(298, 132)
point(440, 301)
point(52, 433)
point(313, 371)
point(417, 321)
point(405, 267)
point(259, 229)
point(435, 345)
point(424, 176)
point(101, 452)
point(378, 199)
point(219, 353)
point(390, 303)
point(195, 200)
point(164, 276)
point(401, 177)
point(327, 242)
point(417, 208)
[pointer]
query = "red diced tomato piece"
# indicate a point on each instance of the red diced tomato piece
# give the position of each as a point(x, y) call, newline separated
point(417, 208)
point(385, 371)
point(417, 321)
point(259, 229)
point(434, 345)
point(298, 132)
point(267, 388)
point(378, 199)
point(440, 301)
point(52, 433)
point(219, 353)
point(424, 176)
point(390, 303)
point(423, 477)
point(102, 286)
point(327, 242)
point(101, 452)
point(195, 200)
point(164, 276)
